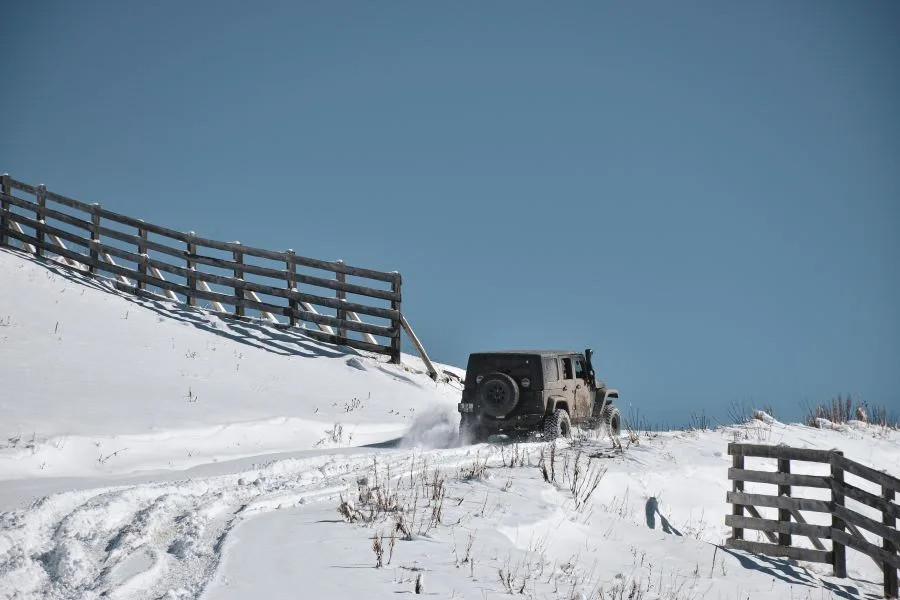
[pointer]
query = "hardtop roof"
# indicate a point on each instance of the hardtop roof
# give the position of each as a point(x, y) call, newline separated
point(526, 352)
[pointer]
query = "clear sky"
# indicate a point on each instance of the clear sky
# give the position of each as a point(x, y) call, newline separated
point(707, 193)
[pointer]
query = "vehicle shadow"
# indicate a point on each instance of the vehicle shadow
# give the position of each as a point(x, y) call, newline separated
point(393, 444)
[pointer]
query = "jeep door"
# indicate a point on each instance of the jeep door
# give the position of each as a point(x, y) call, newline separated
point(583, 403)
point(569, 385)
point(553, 382)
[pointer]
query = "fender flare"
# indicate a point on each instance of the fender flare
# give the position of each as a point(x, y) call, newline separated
point(603, 398)
point(553, 402)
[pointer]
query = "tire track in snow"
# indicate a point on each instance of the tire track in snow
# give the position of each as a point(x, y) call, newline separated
point(165, 540)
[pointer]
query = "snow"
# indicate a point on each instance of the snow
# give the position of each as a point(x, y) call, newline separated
point(106, 383)
point(154, 451)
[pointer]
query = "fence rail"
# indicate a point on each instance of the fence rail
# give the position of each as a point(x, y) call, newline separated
point(186, 267)
point(844, 531)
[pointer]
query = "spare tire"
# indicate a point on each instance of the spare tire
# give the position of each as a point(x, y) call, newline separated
point(497, 394)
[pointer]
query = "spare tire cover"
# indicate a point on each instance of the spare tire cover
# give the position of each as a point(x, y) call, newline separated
point(498, 394)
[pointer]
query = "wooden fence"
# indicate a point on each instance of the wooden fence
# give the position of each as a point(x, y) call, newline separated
point(346, 305)
point(845, 522)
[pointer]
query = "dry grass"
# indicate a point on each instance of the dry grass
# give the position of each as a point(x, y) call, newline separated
point(408, 504)
point(741, 412)
point(584, 481)
point(477, 470)
point(842, 409)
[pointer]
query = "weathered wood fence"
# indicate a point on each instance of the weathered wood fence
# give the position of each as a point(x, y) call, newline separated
point(845, 522)
point(346, 305)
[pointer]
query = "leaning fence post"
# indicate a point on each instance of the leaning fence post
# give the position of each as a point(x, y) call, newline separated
point(737, 462)
point(395, 323)
point(341, 311)
point(142, 251)
point(890, 572)
point(837, 524)
point(291, 267)
point(41, 193)
point(6, 188)
point(784, 514)
point(95, 237)
point(191, 267)
point(238, 286)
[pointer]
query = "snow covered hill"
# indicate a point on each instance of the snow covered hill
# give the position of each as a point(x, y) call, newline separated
point(152, 451)
point(97, 382)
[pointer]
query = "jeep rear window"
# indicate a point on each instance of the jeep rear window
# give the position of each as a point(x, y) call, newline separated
point(551, 369)
point(515, 365)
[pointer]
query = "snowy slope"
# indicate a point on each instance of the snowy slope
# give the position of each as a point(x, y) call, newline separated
point(115, 482)
point(100, 382)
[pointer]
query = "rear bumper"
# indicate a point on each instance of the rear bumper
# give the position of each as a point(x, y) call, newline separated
point(526, 421)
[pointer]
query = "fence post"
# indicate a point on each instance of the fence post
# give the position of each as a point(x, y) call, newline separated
point(737, 461)
point(41, 193)
point(191, 266)
point(142, 250)
point(6, 188)
point(238, 287)
point(890, 573)
point(291, 267)
point(837, 499)
point(396, 324)
point(95, 236)
point(784, 514)
point(341, 311)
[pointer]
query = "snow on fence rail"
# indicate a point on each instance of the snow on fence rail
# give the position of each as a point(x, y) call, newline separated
point(362, 309)
point(844, 530)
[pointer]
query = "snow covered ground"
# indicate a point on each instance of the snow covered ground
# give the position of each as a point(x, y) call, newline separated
point(152, 451)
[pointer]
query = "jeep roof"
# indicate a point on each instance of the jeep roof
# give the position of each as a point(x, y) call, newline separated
point(528, 352)
point(518, 363)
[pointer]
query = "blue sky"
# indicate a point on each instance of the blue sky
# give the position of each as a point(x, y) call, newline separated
point(707, 193)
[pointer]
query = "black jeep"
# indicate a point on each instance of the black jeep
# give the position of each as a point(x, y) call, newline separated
point(526, 391)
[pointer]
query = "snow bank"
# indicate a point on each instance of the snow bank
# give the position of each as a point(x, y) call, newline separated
point(99, 382)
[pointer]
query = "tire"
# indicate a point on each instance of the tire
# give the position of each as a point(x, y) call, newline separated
point(557, 425)
point(612, 420)
point(498, 394)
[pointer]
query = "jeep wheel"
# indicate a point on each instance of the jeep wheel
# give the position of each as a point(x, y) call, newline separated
point(612, 420)
point(498, 394)
point(557, 425)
